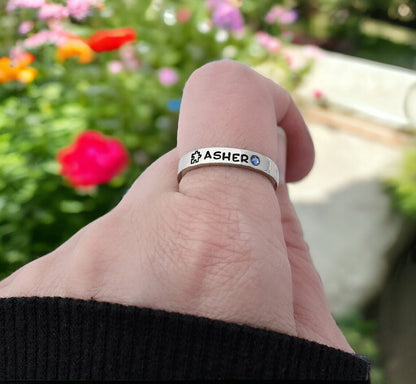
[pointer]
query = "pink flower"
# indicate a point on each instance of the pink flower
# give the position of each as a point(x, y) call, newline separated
point(128, 57)
point(293, 64)
point(53, 11)
point(115, 66)
point(281, 15)
point(318, 94)
point(227, 16)
point(273, 14)
point(13, 4)
point(168, 76)
point(92, 159)
point(288, 58)
point(313, 51)
point(183, 15)
point(26, 26)
point(212, 4)
point(78, 8)
point(16, 52)
point(45, 36)
point(288, 17)
point(271, 43)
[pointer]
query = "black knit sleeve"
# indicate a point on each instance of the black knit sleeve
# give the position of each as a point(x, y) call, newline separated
point(68, 339)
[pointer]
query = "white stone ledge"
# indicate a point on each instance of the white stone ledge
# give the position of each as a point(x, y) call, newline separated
point(381, 91)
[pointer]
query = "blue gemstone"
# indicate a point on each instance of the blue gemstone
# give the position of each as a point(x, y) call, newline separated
point(255, 160)
point(174, 105)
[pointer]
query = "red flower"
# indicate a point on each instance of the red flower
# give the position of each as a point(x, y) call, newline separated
point(110, 40)
point(92, 159)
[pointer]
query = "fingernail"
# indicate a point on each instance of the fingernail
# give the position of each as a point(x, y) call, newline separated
point(281, 146)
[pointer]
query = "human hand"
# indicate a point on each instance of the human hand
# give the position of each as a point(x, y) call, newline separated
point(223, 244)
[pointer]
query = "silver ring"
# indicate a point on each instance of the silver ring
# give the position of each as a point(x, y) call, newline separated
point(233, 157)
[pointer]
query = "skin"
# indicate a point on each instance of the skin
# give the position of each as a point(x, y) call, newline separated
point(223, 244)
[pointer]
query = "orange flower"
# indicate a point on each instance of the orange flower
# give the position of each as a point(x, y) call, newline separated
point(109, 40)
point(7, 71)
point(75, 48)
point(17, 69)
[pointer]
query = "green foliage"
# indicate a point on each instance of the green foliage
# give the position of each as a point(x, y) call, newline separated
point(403, 187)
point(372, 29)
point(38, 209)
point(361, 333)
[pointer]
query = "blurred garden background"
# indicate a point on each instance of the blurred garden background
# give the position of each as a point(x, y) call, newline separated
point(89, 97)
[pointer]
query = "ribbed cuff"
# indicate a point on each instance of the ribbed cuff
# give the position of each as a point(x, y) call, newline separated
point(68, 339)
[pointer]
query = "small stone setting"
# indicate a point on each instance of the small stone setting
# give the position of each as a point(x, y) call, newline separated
point(255, 160)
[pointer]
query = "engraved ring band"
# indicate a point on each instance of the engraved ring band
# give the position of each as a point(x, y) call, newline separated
point(234, 157)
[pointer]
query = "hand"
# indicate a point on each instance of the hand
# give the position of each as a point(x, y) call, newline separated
point(223, 244)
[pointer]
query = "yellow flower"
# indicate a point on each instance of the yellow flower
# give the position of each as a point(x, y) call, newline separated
point(75, 48)
point(26, 75)
point(17, 69)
